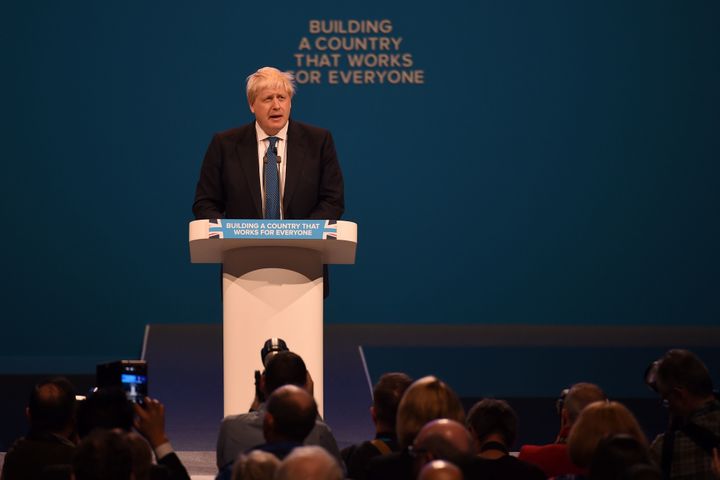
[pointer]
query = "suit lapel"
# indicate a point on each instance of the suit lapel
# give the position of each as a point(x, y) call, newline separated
point(247, 151)
point(295, 161)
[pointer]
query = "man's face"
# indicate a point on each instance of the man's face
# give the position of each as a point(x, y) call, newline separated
point(674, 399)
point(272, 109)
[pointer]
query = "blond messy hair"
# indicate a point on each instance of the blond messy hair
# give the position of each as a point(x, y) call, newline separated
point(428, 398)
point(269, 77)
point(597, 421)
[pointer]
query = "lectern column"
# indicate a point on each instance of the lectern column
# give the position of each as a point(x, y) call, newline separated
point(270, 292)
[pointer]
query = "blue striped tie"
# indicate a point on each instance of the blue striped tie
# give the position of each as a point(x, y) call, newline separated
point(272, 185)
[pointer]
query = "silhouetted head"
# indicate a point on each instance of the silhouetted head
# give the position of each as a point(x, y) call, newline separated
point(51, 407)
point(290, 415)
point(285, 368)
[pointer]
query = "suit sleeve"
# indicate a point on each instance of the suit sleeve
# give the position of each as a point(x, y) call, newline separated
point(209, 193)
point(331, 194)
point(174, 467)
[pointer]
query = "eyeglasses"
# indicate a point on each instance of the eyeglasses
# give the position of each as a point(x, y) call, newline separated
point(561, 400)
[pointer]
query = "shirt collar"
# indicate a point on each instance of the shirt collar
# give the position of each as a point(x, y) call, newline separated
point(261, 135)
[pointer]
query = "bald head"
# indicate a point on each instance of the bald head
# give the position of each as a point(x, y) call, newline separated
point(290, 415)
point(443, 439)
point(440, 470)
point(444, 434)
point(51, 407)
point(309, 462)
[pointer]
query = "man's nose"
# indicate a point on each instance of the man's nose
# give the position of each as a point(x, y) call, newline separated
point(276, 103)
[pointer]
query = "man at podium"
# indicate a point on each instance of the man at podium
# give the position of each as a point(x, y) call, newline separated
point(274, 167)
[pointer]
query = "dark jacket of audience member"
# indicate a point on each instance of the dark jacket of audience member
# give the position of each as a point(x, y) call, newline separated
point(386, 397)
point(493, 423)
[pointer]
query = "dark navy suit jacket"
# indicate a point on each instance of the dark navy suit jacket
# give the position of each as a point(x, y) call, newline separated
point(229, 184)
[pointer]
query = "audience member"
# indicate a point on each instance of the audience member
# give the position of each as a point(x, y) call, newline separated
point(418, 434)
point(553, 458)
point(440, 470)
point(427, 399)
point(309, 463)
point(108, 408)
point(255, 465)
point(684, 383)
point(598, 420)
point(239, 433)
point(386, 396)
point(442, 439)
point(104, 455)
point(50, 441)
point(289, 418)
point(615, 454)
point(493, 424)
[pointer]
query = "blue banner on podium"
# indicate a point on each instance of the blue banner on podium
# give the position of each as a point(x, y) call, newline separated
point(274, 229)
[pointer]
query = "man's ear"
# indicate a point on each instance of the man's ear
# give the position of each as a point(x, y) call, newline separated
point(373, 414)
point(252, 109)
point(268, 426)
point(27, 414)
point(263, 388)
point(268, 420)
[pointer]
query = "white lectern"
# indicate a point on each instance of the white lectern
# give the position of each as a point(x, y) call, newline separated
point(272, 287)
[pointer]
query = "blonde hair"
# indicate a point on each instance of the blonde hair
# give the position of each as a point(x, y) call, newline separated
point(256, 465)
point(269, 77)
point(579, 396)
point(597, 421)
point(427, 399)
point(310, 461)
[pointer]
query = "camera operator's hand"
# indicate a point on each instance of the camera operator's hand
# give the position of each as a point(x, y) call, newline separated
point(150, 421)
point(255, 405)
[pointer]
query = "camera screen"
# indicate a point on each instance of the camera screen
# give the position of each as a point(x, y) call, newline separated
point(135, 386)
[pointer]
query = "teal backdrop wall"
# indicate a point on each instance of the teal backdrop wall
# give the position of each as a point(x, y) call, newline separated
point(556, 165)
